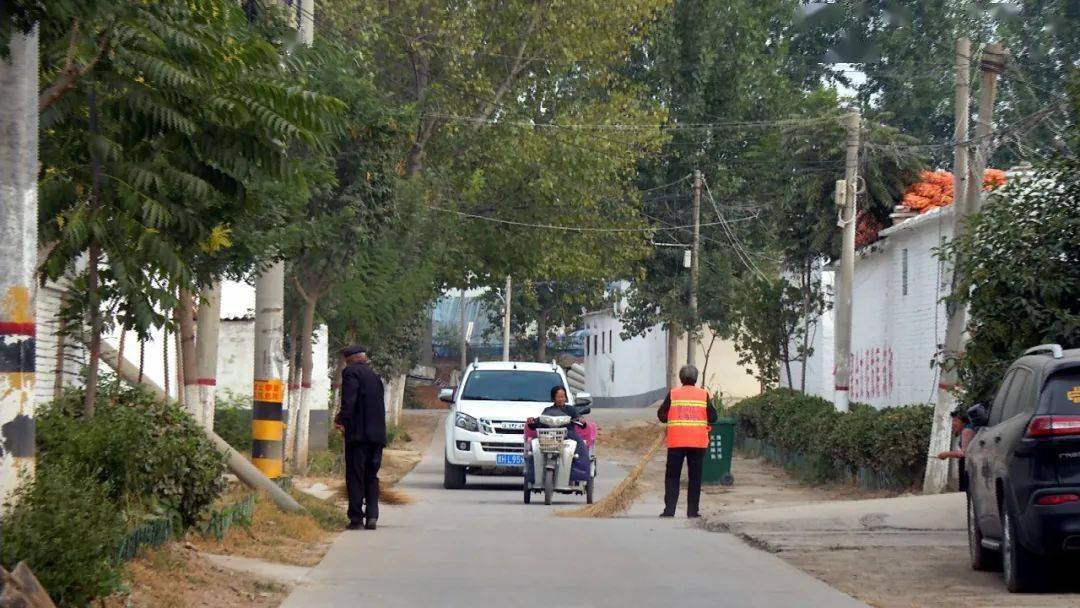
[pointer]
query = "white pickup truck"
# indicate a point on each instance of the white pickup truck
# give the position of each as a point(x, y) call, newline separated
point(486, 426)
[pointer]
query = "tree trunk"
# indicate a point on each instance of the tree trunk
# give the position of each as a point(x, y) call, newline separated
point(93, 296)
point(185, 321)
point(303, 422)
point(165, 359)
point(807, 277)
point(90, 399)
point(672, 355)
point(292, 393)
point(541, 336)
point(335, 387)
point(206, 350)
point(708, 352)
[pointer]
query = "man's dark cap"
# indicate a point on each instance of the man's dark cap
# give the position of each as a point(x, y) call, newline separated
point(355, 349)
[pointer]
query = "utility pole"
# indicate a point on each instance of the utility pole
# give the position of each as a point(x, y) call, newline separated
point(848, 214)
point(464, 335)
point(991, 66)
point(967, 199)
point(18, 255)
point(267, 428)
point(506, 319)
point(691, 336)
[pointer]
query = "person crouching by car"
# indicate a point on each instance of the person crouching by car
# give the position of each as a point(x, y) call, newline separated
point(687, 413)
point(962, 428)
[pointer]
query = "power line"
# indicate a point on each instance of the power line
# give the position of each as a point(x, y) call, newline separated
point(1024, 124)
point(497, 220)
point(634, 127)
point(740, 252)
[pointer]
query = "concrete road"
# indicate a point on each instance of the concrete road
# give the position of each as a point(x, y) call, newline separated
point(482, 547)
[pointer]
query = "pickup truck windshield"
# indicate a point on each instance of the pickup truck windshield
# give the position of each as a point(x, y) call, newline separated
point(510, 385)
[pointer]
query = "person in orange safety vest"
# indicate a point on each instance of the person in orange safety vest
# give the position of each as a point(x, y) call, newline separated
point(687, 413)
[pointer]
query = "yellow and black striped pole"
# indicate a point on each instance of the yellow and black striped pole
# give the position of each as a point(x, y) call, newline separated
point(267, 428)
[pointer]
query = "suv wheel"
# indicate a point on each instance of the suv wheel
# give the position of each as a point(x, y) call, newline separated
point(1022, 567)
point(981, 557)
point(453, 476)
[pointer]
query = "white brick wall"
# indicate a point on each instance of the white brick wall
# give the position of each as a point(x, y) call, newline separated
point(895, 333)
point(623, 372)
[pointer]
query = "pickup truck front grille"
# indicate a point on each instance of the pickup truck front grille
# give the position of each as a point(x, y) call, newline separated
point(508, 427)
point(506, 448)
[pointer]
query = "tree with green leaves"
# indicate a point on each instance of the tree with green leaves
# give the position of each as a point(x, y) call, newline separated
point(726, 109)
point(151, 153)
point(1021, 273)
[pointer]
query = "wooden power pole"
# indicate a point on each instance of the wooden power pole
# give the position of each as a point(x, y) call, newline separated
point(967, 199)
point(462, 301)
point(18, 254)
point(691, 336)
point(848, 215)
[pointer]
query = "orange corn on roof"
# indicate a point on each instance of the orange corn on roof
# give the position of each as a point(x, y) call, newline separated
point(936, 189)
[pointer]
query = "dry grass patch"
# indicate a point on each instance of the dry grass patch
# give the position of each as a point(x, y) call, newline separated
point(300, 539)
point(176, 577)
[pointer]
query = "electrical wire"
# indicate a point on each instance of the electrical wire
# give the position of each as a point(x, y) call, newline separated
point(740, 252)
point(497, 220)
point(636, 127)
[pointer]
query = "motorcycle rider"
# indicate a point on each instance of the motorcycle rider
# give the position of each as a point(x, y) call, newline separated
point(559, 407)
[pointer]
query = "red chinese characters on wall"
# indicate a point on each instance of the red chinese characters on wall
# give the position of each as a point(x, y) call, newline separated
point(871, 373)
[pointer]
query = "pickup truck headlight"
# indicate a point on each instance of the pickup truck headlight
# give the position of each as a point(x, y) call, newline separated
point(467, 422)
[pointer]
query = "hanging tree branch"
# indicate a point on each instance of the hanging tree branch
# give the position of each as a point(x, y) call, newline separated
point(71, 73)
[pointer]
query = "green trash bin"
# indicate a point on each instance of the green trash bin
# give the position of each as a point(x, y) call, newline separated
point(717, 467)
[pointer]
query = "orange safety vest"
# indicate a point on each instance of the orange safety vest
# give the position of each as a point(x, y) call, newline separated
point(688, 418)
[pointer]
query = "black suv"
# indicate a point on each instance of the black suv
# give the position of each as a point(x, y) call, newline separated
point(1023, 467)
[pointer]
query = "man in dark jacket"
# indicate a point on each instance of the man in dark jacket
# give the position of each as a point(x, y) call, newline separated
point(362, 419)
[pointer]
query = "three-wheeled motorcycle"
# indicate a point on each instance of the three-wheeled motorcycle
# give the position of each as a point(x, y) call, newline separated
point(559, 454)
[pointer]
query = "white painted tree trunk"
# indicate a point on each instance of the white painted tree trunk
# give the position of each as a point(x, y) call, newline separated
point(394, 398)
point(303, 421)
point(18, 255)
point(206, 350)
point(188, 364)
point(303, 430)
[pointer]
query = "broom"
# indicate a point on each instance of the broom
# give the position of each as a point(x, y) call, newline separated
point(622, 497)
point(388, 495)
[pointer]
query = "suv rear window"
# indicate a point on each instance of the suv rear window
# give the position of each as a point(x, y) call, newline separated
point(1061, 395)
point(510, 385)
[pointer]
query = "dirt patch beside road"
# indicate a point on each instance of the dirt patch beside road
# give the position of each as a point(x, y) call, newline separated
point(177, 577)
point(901, 577)
point(274, 535)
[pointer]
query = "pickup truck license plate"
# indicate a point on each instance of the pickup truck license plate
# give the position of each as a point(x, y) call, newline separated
point(510, 460)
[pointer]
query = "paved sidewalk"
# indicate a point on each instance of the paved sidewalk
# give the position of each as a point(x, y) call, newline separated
point(905, 521)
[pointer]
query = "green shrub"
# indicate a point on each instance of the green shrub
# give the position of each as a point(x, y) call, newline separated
point(66, 528)
point(891, 440)
point(232, 421)
point(152, 454)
